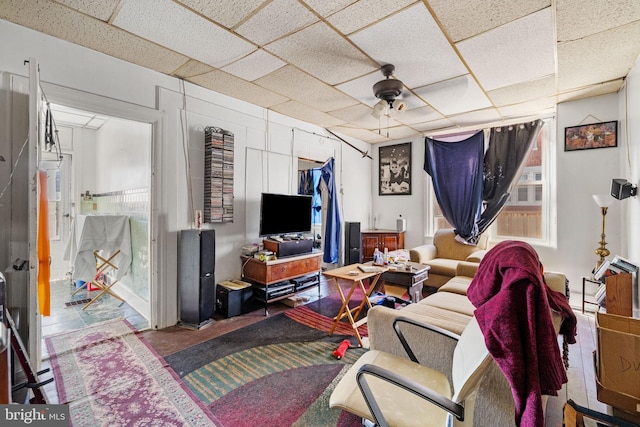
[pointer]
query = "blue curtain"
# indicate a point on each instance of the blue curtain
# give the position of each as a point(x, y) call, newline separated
point(308, 181)
point(456, 172)
point(332, 227)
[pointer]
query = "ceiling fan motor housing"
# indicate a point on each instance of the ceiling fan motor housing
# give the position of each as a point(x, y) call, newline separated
point(388, 89)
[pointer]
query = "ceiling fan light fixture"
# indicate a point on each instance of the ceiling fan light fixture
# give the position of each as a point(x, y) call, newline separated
point(379, 108)
point(399, 105)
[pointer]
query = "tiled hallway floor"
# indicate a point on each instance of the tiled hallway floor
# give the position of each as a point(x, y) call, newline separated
point(67, 317)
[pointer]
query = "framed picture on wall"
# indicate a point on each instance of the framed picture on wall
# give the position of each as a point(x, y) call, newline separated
point(594, 135)
point(394, 170)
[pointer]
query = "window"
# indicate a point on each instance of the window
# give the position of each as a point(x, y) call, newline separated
point(527, 213)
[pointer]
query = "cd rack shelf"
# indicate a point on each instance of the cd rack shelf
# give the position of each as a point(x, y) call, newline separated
point(218, 175)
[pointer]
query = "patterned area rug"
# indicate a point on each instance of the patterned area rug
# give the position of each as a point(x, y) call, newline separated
point(110, 376)
point(277, 372)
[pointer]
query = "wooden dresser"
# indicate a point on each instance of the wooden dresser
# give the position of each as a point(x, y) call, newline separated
point(372, 239)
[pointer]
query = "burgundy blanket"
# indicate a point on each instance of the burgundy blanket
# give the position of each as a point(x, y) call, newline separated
point(513, 309)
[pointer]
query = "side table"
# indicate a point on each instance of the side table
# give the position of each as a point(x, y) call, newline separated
point(412, 277)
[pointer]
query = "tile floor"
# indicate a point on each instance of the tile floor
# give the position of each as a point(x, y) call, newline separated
point(67, 317)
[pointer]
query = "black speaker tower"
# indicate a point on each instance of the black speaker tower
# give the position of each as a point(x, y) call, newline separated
point(353, 249)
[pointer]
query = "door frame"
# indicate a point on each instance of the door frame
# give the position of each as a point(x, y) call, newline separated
point(124, 110)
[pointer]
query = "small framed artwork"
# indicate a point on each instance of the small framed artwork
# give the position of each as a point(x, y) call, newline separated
point(394, 170)
point(595, 135)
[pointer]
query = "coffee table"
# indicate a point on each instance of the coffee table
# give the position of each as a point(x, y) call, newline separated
point(411, 275)
point(351, 273)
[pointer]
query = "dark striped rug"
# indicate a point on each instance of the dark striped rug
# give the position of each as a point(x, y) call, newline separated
point(277, 372)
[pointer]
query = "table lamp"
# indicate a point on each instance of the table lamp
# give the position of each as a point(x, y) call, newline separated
point(604, 201)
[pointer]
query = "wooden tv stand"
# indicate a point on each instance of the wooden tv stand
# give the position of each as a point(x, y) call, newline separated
point(274, 280)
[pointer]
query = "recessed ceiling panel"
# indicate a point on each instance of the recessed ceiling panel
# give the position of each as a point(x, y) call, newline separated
point(227, 13)
point(278, 18)
point(192, 68)
point(464, 19)
point(364, 12)
point(422, 58)
point(579, 18)
point(454, 96)
point(435, 125)
point(297, 85)
point(177, 28)
point(254, 65)
point(322, 52)
point(517, 52)
point(524, 109)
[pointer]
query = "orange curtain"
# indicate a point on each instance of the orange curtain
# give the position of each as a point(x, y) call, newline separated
point(44, 259)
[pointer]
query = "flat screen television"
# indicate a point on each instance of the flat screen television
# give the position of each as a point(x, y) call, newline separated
point(282, 214)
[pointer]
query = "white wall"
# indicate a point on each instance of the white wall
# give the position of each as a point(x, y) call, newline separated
point(122, 156)
point(100, 77)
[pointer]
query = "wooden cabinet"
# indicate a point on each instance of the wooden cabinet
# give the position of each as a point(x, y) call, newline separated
point(372, 239)
point(281, 278)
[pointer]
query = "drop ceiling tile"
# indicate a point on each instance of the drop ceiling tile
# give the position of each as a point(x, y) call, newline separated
point(181, 30)
point(192, 68)
point(400, 132)
point(476, 118)
point(594, 90)
point(577, 19)
point(100, 9)
point(517, 52)
point(299, 86)
point(435, 125)
point(278, 18)
point(302, 112)
point(227, 13)
point(361, 134)
point(254, 65)
point(523, 91)
point(524, 109)
point(360, 115)
point(327, 7)
point(412, 41)
point(418, 115)
point(607, 56)
point(238, 88)
point(322, 52)
point(364, 12)
point(454, 96)
point(464, 19)
point(74, 27)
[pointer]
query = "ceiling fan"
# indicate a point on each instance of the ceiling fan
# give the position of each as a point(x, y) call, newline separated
point(388, 91)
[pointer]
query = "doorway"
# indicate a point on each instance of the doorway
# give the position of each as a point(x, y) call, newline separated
point(99, 165)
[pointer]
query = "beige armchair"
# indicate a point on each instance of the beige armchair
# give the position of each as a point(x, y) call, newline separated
point(445, 254)
point(394, 391)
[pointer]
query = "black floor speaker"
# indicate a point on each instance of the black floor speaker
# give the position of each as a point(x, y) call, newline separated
point(353, 246)
point(196, 277)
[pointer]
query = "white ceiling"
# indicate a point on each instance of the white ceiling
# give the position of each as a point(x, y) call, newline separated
point(464, 63)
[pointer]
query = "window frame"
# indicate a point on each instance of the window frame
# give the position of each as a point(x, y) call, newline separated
point(549, 190)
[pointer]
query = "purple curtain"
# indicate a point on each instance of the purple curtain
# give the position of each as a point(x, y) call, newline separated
point(456, 172)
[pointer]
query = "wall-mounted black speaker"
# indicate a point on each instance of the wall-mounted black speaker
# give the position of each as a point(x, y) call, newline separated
point(621, 189)
point(353, 249)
